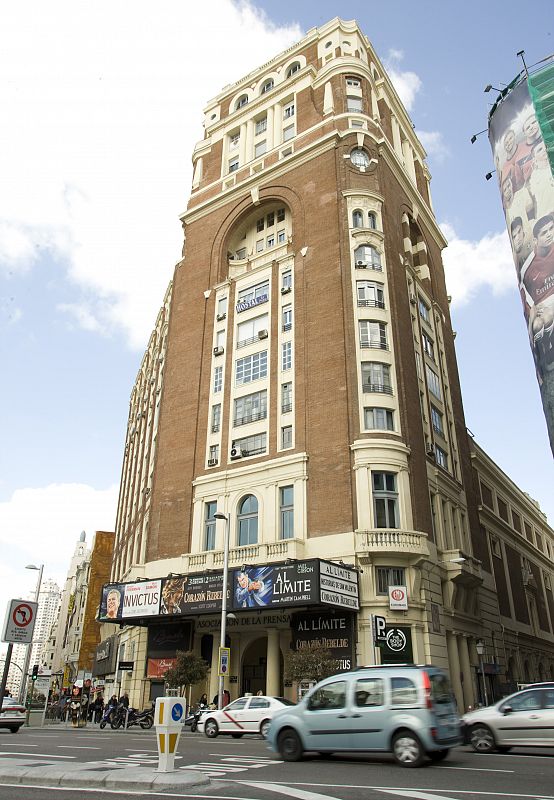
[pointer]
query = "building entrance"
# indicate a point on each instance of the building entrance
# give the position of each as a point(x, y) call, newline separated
point(254, 668)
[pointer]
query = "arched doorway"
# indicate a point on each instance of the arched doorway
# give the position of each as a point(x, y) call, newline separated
point(254, 668)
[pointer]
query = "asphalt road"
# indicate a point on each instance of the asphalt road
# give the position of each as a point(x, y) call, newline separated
point(246, 770)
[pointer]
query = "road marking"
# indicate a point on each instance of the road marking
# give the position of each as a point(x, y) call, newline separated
point(78, 746)
point(18, 744)
point(302, 794)
point(41, 755)
point(126, 792)
point(417, 795)
point(479, 769)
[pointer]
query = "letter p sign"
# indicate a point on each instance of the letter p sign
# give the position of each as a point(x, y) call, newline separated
point(379, 629)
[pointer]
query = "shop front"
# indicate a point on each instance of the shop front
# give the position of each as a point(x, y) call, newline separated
point(271, 609)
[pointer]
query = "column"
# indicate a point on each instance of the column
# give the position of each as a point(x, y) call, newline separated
point(214, 678)
point(235, 689)
point(269, 131)
point(466, 672)
point(242, 144)
point(273, 671)
point(454, 668)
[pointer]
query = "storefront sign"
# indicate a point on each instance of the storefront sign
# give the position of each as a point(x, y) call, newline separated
point(338, 585)
point(105, 657)
point(397, 647)
point(157, 667)
point(334, 631)
point(192, 594)
point(256, 301)
point(276, 585)
point(126, 600)
point(398, 598)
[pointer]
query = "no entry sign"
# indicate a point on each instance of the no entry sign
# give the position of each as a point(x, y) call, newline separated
point(20, 621)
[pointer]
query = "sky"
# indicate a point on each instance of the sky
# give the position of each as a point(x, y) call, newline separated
point(101, 107)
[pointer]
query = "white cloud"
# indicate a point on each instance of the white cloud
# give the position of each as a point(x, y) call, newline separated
point(83, 315)
point(472, 265)
point(434, 144)
point(42, 525)
point(101, 111)
point(406, 83)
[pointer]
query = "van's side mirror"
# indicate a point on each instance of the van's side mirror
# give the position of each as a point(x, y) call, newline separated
point(507, 710)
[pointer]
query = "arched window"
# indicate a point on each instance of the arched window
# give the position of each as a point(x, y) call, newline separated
point(357, 218)
point(293, 68)
point(371, 220)
point(367, 257)
point(247, 520)
point(242, 101)
point(267, 86)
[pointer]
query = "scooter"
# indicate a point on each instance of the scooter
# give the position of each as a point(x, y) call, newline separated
point(192, 720)
point(107, 716)
point(128, 717)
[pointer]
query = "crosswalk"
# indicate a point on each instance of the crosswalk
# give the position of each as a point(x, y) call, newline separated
point(228, 765)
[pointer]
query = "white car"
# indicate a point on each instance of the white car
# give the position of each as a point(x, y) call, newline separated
point(245, 715)
point(12, 715)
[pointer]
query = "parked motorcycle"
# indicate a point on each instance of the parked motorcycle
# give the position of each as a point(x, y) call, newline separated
point(128, 717)
point(107, 715)
point(191, 720)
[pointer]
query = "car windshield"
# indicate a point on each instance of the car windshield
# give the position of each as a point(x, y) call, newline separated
point(441, 691)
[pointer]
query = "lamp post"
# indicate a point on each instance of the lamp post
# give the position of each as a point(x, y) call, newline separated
point(221, 515)
point(480, 647)
point(23, 690)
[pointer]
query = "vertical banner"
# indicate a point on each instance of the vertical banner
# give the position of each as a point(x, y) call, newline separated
point(521, 133)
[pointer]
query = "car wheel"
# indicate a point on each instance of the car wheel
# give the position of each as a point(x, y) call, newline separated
point(264, 727)
point(407, 749)
point(15, 728)
point(103, 724)
point(237, 735)
point(211, 729)
point(438, 755)
point(481, 739)
point(503, 748)
point(146, 723)
point(289, 745)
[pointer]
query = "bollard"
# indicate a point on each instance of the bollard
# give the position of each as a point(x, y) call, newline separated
point(168, 718)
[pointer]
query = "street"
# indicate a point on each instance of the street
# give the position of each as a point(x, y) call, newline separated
point(246, 770)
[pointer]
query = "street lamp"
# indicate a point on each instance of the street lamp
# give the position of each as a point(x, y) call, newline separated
point(23, 689)
point(480, 647)
point(221, 515)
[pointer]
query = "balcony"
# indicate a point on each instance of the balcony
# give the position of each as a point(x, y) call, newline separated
point(377, 387)
point(371, 303)
point(254, 417)
point(382, 541)
point(249, 554)
point(373, 344)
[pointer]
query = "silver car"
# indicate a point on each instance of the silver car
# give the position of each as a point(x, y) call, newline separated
point(12, 715)
point(524, 719)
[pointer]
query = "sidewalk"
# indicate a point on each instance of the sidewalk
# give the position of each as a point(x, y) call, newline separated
point(97, 775)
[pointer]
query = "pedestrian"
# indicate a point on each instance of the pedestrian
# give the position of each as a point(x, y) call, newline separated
point(226, 697)
point(124, 700)
point(203, 700)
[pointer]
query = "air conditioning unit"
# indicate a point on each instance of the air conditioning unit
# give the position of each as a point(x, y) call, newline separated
point(221, 316)
point(236, 452)
point(262, 334)
point(286, 289)
point(218, 351)
point(430, 449)
point(212, 462)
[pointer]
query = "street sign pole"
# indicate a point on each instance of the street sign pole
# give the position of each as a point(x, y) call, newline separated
point(378, 626)
point(6, 671)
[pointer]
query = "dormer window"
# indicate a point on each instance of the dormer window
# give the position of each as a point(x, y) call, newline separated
point(292, 69)
point(267, 86)
point(242, 101)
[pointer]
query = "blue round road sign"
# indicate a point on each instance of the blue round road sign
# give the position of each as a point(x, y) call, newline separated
point(177, 712)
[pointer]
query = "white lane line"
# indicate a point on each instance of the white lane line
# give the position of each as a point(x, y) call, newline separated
point(241, 755)
point(300, 793)
point(417, 795)
point(41, 755)
point(78, 746)
point(17, 744)
point(479, 769)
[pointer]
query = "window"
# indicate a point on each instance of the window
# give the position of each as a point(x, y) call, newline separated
point(234, 140)
point(209, 525)
point(280, 215)
point(359, 158)
point(222, 307)
point(286, 437)
point(288, 133)
point(286, 397)
point(261, 125)
point(240, 253)
point(369, 692)
point(403, 692)
point(376, 377)
point(292, 69)
point(516, 521)
point(251, 368)
point(220, 338)
point(250, 408)
point(234, 164)
point(248, 331)
point(248, 521)
point(526, 701)
point(286, 512)
point(238, 705)
point(354, 105)
point(259, 246)
point(270, 241)
point(367, 257)
point(371, 220)
point(357, 218)
point(356, 123)
point(287, 318)
point(260, 224)
point(433, 382)
point(372, 334)
point(329, 697)
point(218, 379)
point(288, 110)
point(370, 294)
point(378, 419)
point(216, 418)
point(423, 310)
point(259, 702)
point(214, 453)
point(271, 219)
point(486, 495)
point(286, 281)
point(389, 576)
point(251, 445)
point(286, 356)
point(503, 510)
point(258, 292)
point(267, 86)
point(441, 457)
point(260, 149)
point(385, 500)
point(436, 421)
point(242, 101)
point(428, 346)
point(281, 237)
point(353, 83)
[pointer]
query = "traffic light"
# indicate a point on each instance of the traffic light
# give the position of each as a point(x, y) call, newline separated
point(34, 673)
